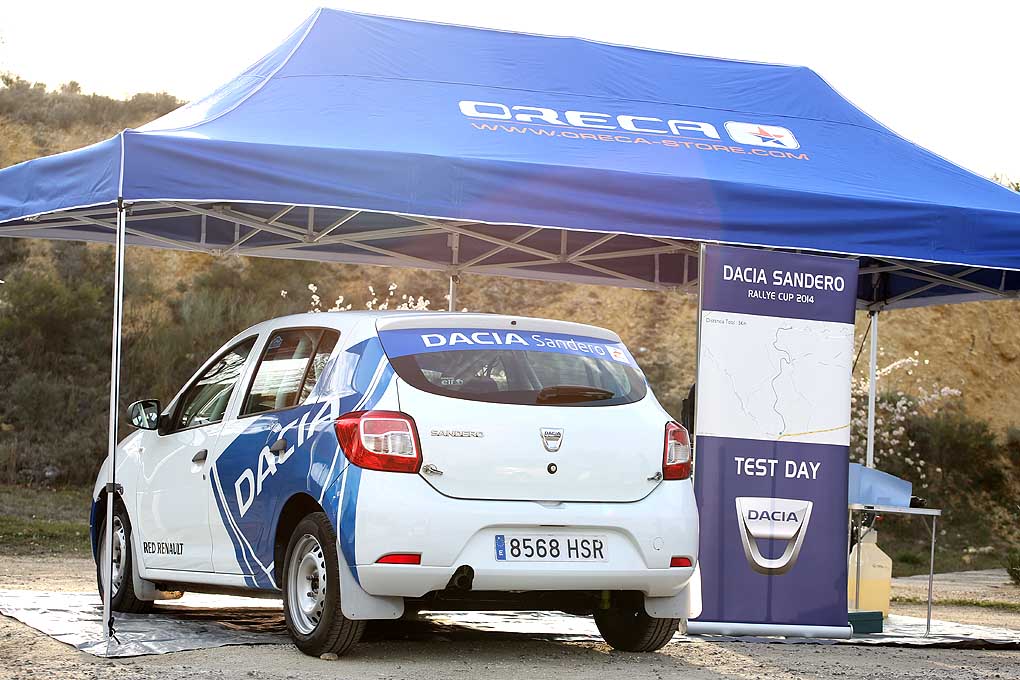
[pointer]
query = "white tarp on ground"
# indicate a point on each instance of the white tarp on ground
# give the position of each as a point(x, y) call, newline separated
point(193, 622)
point(206, 621)
point(900, 631)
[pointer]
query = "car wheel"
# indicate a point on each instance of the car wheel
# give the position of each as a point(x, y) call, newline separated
point(122, 587)
point(311, 591)
point(627, 627)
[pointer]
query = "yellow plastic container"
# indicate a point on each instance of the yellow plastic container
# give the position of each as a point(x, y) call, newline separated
point(876, 576)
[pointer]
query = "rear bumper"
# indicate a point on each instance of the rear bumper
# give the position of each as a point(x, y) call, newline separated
point(402, 513)
point(416, 581)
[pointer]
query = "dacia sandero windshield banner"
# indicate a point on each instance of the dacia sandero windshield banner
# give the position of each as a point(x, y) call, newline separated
point(772, 437)
point(404, 341)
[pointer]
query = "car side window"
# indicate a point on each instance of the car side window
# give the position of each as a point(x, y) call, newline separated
point(205, 401)
point(290, 357)
point(326, 345)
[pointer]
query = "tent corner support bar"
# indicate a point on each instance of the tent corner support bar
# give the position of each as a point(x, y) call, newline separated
point(454, 242)
point(115, 357)
point(454, 280)
point(872, 375)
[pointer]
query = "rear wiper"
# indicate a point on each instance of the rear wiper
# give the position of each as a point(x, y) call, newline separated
point(570, 394)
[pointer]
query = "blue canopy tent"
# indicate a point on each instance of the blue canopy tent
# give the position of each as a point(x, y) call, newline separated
point(372, 140)
point(384, 141)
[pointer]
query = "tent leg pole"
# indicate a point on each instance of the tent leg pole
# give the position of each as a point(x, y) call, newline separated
point(111, 486)
point(454, 280)
point(872, 375)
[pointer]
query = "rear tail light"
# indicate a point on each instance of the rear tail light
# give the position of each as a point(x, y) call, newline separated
point(400, 558)
point(380, 440)
point(676, 455)
point(680, 562)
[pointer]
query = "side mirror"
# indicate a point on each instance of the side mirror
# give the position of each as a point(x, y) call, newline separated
point(144, 414)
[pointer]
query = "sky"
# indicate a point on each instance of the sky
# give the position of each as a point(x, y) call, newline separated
point(943, 74)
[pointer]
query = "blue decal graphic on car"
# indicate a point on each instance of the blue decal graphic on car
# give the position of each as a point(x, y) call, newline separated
point(349, 517)
point(252, 484)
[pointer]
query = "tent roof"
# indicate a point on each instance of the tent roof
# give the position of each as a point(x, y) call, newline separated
point(375, 140)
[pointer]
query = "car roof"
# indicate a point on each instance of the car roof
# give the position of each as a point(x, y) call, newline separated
point(414, 318)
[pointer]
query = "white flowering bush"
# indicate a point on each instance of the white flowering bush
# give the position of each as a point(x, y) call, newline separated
point(376, 300)
point(923, 434)
point(895, 410)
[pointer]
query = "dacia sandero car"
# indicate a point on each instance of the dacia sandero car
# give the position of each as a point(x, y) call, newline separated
point(371, 465)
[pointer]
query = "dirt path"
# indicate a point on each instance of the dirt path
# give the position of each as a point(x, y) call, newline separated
point(988, 585)
point(975, 588)
point(66, 574)
point(27, 654)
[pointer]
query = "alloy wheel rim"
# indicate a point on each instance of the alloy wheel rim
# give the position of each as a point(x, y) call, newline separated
point(307, 584)
point(119, 551)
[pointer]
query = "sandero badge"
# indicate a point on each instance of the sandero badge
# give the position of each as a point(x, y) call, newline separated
point(780, 519)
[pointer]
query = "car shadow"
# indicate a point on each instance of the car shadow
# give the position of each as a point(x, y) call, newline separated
point(492, 634)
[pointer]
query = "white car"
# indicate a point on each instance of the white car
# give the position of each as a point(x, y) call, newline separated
point(370, 465)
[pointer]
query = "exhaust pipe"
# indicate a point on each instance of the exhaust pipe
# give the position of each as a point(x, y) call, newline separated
point(462, 579)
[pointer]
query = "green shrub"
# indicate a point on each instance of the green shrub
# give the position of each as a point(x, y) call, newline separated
point(34, 104)
point(960, 451)
point(1013, 445)
point(55, 342)
point(909, 557)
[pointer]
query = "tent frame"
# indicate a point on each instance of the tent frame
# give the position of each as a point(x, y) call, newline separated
point(310, 238)
point(596, 256)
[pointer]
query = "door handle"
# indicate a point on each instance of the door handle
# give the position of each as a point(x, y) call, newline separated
point(278, 447)
point(200, 456)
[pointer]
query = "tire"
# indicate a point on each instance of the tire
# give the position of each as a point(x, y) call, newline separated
point(124, 599)
point(311, 591)
point(626, 626)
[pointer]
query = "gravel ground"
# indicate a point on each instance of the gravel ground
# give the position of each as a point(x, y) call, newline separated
point(25, 653)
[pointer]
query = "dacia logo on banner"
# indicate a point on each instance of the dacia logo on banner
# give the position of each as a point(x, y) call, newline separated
point(779, 519)
point(752, 134)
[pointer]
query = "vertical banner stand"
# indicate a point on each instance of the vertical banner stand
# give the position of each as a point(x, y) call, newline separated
point(772, 435)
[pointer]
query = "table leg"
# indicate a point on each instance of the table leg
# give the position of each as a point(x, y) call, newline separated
point(931, 575)
point(857, 583)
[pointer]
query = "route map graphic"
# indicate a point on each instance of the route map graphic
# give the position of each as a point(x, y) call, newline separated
point(772, 378)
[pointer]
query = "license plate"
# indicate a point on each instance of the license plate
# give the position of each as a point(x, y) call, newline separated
point(550, 548)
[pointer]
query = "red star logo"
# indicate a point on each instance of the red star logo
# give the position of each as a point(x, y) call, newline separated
point(765, 136)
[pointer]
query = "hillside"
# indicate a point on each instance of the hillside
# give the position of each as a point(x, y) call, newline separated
point(181, 306)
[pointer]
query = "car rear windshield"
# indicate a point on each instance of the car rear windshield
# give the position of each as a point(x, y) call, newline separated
point(515, 367)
